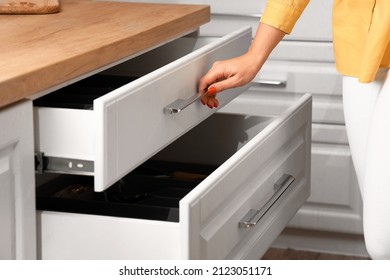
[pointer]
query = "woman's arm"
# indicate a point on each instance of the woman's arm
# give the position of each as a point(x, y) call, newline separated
point(240, 70)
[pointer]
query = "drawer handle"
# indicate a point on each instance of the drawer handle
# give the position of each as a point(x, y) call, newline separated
point(254, 216)
point(257, 16)
point(269, 83)
point(180, 104)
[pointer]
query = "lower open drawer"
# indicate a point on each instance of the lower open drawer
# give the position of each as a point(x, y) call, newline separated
point(224, 190)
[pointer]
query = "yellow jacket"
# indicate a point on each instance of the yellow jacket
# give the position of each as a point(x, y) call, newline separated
point(361, 32)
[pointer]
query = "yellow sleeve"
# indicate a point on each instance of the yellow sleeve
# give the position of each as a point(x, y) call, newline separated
point(376, 51)
point(283, 14)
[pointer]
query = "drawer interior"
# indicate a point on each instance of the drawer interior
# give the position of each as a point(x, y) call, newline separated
point(81, 94)
point(153, 190)
point(214, 140)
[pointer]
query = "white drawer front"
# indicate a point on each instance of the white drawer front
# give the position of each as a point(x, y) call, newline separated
point(246, 181)
point(329, 134)
point(208, 227)
point(299, 77)
point(303, 51)
point(279, 83)
point(105, 238)
point(128, 125)
point(314, 25)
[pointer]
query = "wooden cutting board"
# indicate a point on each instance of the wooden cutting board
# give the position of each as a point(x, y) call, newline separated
point(29, 6)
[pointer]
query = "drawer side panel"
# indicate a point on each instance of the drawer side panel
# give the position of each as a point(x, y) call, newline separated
point(105, 238)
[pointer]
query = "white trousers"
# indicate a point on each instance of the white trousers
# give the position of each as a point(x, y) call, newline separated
point(367, 118)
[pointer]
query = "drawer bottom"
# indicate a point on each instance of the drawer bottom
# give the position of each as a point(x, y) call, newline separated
point(152, 191)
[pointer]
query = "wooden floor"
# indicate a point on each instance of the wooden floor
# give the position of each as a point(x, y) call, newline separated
point(290, 254)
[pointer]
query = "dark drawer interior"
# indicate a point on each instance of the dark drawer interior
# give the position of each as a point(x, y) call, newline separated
point(152, 191)
point(81, 95)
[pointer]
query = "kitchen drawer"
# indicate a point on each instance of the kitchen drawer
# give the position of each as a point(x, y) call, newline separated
point(329, 134)
point(260, 177)
point(297, 76)
point(303, 51)
point(109, 123)
point(280, 82)
point(315, 24)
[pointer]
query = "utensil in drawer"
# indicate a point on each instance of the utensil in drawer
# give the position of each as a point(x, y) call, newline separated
point(72, 191)
point(158, 172)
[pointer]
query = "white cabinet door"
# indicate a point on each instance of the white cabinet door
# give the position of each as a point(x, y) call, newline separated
point(335, 201)
point(17, 188)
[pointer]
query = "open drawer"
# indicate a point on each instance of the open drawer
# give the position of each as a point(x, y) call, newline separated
point(109, 123)
point(256, 175)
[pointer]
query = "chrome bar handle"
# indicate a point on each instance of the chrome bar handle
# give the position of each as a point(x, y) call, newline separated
point(254, 216)
point(180, 104)
point(269, 83)
point(238, 15)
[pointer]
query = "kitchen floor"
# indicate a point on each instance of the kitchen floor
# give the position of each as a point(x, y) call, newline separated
point(291, 254)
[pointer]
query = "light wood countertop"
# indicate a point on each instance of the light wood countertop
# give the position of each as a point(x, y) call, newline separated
point(38, 52)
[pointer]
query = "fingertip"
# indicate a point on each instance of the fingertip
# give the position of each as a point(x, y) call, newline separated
point(211, 90)
point(210, 103)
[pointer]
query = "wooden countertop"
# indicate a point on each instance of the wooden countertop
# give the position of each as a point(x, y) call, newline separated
point(38, 52)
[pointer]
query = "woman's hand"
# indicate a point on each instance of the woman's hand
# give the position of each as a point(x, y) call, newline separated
point(224, 75)
point(241, 70)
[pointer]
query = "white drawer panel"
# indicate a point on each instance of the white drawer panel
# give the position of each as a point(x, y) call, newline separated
point(128, 124)
point(326, 110)
point(299, 77)
point(338, 172)
point(315, 23)
point(335, 202)
point(208, 227)
point(105, 238)
point(329, 134)
point(279, 83)
point(303, 51)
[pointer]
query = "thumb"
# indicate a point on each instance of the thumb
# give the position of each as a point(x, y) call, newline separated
point(222, 85)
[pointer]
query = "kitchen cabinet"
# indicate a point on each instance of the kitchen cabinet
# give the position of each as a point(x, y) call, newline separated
point(17, 188)
point(209, 216)
point(25, 75)
point(303, 63)
point(261, 173)
point(104, 133)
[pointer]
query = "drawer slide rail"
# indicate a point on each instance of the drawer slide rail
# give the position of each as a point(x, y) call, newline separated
point(45, 164)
